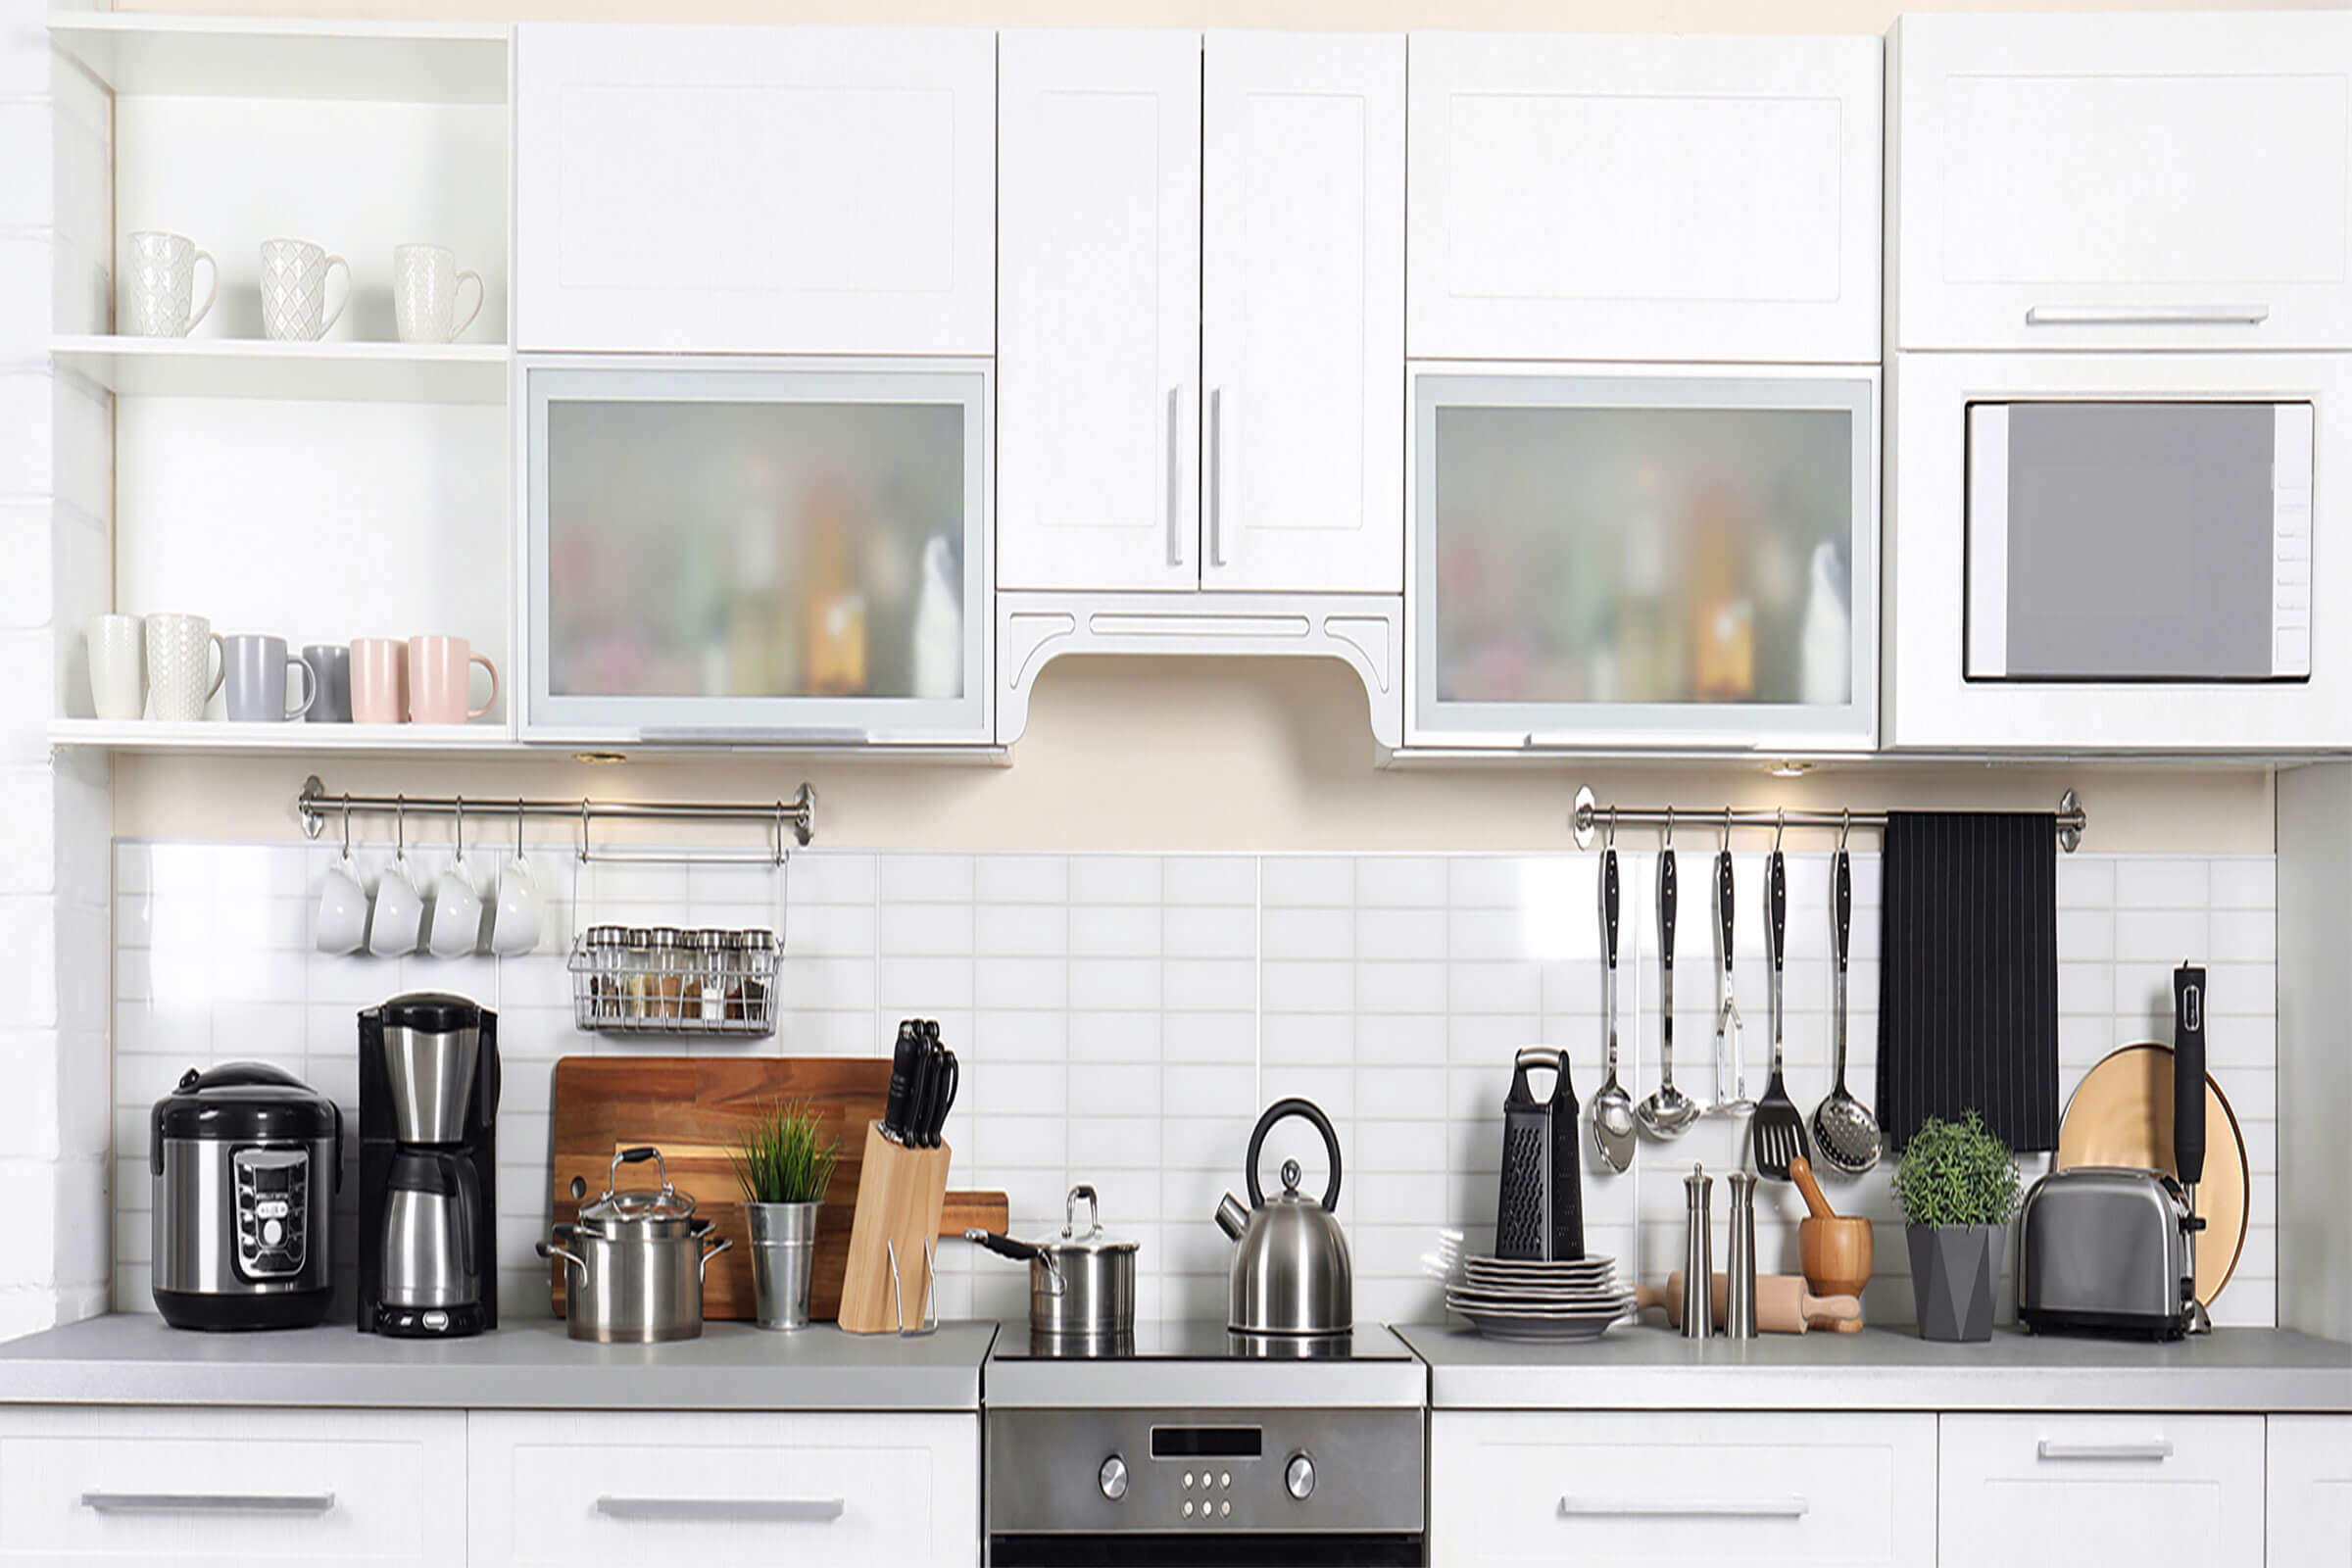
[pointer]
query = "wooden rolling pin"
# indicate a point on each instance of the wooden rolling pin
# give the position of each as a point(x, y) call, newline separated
point(1782, 1305)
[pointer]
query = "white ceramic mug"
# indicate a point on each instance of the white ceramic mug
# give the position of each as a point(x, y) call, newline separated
point(118, 666)
point(515, 924)
point(158, 284)
point(398, 916)
point(181, 670)
point(340, 924)
point(457, 924)
point(425, 280)
point(294, 274)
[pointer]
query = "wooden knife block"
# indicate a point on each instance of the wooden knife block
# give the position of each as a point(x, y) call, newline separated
point(900, 1197)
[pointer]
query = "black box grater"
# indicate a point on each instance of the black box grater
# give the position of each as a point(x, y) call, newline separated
point(1540, 1212)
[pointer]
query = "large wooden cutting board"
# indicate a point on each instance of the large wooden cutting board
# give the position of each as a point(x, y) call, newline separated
point(694, 1110)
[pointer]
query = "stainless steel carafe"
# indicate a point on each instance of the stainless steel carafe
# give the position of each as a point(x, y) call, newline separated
point(429, 1231)
point(1292, 1273)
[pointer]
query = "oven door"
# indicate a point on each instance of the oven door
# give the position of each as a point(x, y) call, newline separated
point(2194, 519)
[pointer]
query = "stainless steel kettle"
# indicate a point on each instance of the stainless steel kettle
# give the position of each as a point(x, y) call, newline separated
point(1291, 1269)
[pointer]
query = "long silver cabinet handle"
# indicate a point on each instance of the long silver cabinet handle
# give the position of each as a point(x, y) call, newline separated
point(1175, 480)
point(1216, 478)
point(299, 1502)
point(725, 1510)
point(743, 735)
point(1762, 1509)
point(2147, 314)
point(2146, 1452)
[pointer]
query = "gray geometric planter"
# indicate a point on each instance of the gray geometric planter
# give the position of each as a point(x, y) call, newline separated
point(1952, 1275)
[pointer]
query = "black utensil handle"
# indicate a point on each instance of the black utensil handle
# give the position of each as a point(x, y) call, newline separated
point(949, 1080)
point(918, 1095)
point(1776, 907)
point(1608, 907)
point(1723, 903)
point(1307, 1108)
point(639, 1156)
point(1666, 910)
point(2188, 1073)
point(1005, 1245)
point(901, 1079)
point(1842, 905)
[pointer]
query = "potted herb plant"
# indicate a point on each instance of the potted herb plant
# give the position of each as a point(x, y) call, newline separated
point(1957, 1185)
point(785, 1164)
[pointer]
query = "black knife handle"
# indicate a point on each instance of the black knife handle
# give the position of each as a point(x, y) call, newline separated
point(2188, 1073)
point(1842, 906)
point(1723, 903)
point(1608, 905)
point(948, 1077)
point(901, 1079)
point(1776, 907)
point(918, 1096)
point(1666, 908)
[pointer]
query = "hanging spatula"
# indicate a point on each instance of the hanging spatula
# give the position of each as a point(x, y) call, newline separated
point(1779, 1129)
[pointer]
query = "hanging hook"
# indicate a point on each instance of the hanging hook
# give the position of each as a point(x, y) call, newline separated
point(518, 827)
point(1609, 842)
point(583, 829)
point(400, 828)
point(1727, 830)
point(1780, 820)
point(347, 825)
point(1669, 843)
point(780, 809)
point(460, 829)
point(1845, 822)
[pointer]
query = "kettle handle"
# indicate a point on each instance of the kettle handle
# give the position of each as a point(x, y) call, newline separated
point(1294, 1106)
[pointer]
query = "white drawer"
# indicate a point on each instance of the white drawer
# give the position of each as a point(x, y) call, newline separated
point(2310, 1490)
point(627, 1489)
point(2101, 1489)
point(140, 1486)
point(1620, 1488)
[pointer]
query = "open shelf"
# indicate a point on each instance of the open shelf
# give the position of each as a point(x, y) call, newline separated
point(237, 57)
point(222, 737)
point(249, 367)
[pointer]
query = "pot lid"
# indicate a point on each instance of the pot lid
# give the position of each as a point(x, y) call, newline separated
point(1090, 1239)
point(616, 1208)
point(246, 1100)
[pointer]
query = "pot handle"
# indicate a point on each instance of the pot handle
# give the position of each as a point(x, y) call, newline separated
point(550, 1249)
point(1309, 1109)
point(1020, 1253)
point(724, 1242)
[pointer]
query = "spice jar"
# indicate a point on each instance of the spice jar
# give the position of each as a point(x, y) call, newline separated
point(667, 963)
point(711, 984)
point(638, 981)
point(747, 994)
point(605, 950)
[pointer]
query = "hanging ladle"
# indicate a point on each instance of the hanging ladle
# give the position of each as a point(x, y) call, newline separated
point(1668, 1112)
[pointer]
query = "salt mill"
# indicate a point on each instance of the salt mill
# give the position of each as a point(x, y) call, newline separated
point(1740, 1293)
point(1698, 1256)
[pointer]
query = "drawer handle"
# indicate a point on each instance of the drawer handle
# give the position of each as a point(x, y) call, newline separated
point(311, 1503)
point(725, 1510)
point(1572, 1507)
point(2147, 314)
point(2147, 1453)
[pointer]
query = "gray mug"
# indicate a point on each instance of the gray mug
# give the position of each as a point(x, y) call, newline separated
point(331, 681)
point(255, 687)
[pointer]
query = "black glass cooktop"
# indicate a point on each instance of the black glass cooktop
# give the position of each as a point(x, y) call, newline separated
point(1201, 1341)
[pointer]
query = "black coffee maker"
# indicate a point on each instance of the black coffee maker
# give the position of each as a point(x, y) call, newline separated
point(428, 1163)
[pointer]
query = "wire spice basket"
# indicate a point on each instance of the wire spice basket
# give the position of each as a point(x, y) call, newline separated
point(666, 981)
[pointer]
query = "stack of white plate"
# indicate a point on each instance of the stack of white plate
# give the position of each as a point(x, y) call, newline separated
point(1517, 1299)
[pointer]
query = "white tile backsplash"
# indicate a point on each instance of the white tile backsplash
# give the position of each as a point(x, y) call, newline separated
point(1123, 1018)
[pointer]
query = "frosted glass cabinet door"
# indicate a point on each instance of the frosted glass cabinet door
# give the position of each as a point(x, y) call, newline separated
point(1644, 561)
point(787, 550)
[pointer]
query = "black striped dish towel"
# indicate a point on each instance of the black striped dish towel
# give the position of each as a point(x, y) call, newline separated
point(1968, 973)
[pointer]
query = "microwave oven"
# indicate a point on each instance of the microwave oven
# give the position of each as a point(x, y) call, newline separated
point(2149, 539)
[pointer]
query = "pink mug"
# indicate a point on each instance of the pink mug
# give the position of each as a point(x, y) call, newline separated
point(379, 680)
point(439, 675)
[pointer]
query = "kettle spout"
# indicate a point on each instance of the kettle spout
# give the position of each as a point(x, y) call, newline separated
point(1231, 1218)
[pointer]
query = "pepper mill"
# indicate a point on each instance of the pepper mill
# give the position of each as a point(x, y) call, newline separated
point(1698, 1256)
point(1740, 1294)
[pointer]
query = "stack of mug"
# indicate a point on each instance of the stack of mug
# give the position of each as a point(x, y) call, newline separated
point(159, 289)
point(181, 663)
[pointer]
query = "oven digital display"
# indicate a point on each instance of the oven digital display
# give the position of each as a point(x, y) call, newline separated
point(1206, 1442)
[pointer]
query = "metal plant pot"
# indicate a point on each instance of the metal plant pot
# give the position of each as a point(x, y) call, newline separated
point(1952, 1280)
point(783, 1261)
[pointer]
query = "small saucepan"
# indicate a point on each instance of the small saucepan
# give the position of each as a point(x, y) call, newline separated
point(1081, 1287)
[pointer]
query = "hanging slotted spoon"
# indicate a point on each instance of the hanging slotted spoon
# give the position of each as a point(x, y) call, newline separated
point(1612, 1106)
point(1668, 1110)
point(1778, 1131)
point(1846, 1132)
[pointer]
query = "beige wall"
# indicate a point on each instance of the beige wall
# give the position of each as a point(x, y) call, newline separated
point(1197, 753)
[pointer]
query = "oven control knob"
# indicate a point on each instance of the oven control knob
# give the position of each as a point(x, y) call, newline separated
point(1114, 1477)
point(1300, 1477)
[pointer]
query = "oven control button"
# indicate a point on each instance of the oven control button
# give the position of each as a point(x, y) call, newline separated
point(1300, 1477)
point(1113, 1478)
point(1188, 1509)
point(1224, 1509)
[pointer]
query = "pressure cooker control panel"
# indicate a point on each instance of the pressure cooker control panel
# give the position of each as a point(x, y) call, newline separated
point(273, 1200)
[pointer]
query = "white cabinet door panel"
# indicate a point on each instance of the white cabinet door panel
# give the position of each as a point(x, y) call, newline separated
point(1302, 337)
point(1098, 311)
point(1586, 197)
point(1619, 1489)
point(2310, 1480)
point(620, 1491)
point(2123, 181)
point(805, 190)
point(2086, 1489)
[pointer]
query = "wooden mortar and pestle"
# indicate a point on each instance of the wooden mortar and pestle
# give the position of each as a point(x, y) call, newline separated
point(1783, 1306)
point(1835, 1250)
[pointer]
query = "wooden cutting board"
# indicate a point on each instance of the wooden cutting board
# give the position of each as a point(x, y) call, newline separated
point(694, 1110)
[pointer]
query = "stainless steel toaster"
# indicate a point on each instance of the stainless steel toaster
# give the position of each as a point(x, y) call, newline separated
point(2102, 1250)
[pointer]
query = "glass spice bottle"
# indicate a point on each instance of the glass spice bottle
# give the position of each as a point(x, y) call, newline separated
point(714, 979)
point(668, 972)
point(602, 950)
point(638, 976)
point(749, 990)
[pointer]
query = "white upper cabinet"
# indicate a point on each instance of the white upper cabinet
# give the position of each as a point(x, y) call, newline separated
point(1622, 197)
point(1303, 305)
point(1098, 316)
point(2121, 181)
point(790, 190)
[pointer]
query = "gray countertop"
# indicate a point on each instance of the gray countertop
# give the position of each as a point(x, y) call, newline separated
point(136, 1359)
point(1644, 1367)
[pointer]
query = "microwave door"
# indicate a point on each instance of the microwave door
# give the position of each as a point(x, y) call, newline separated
point(2138, 541)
